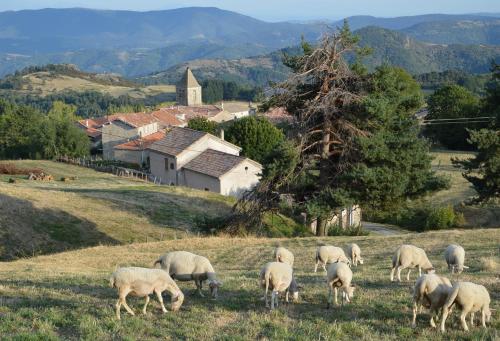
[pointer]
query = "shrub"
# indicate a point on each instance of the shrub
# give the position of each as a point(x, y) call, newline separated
point(349, 231)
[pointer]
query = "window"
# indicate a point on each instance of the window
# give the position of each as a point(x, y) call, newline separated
point(207, 190)
point(166, 164)
point(246, 169)
point(172, 165)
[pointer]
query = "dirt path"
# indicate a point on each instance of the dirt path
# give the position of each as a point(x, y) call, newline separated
point(382, 229)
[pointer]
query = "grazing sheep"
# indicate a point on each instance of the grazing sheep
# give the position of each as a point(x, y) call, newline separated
point(410, 256)
point(430, 291)
point(279, 278)
point(455, 256)
point(339, 275)
point(142, 282)
point(283, 255)
point(329, 254)
point(354, 252)
point(470, 298)
point(186, 266)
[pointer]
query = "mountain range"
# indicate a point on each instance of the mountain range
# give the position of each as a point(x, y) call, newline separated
point(140, 43)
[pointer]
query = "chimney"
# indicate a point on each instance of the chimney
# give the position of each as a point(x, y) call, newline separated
point(222, 134)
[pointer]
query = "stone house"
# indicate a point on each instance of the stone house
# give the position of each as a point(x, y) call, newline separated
point(186, 157)
point(125, 128)
point(136, 151)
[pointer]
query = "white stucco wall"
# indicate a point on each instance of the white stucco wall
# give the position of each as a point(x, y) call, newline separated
point(239, 179)
point(200, 181)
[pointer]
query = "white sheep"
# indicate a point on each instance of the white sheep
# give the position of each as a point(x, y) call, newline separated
point(142, 282)
point(327, 254)
point(410, 256)
point(278, 277)
point(470, 298)
point(283, 255)
point(186, 266)
point(431, 292)
point(455, 256)
point(354, 252)
point(339, 275)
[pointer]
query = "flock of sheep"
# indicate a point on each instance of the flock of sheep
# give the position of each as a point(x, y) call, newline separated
point(430, 291)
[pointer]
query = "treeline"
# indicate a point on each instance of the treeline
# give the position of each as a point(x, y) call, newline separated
point(432, 81)
point(454, 111)
point(88, 104)
point(215, 90)
point(27, 133)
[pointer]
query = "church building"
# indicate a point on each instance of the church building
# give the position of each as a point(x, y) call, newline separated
point(188, 90)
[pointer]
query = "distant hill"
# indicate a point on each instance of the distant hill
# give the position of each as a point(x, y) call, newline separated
point(53, 79)
point(484, 31)
point(60, 30)
point(140, 43)
point(388, 46)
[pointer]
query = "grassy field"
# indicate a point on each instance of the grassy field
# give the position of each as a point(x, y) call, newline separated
point(66, 296)
point(97, 208)
point(43, 84)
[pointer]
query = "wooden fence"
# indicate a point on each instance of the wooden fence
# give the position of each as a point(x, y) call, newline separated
point(110, 167)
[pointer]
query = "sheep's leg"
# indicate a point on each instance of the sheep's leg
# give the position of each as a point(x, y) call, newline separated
point(392, 274)
point(335, 292)
point(483, 318)
point(399, 273)
point(265, 295)
point(415, 310)
point(408, 275)
point(463, 321)
point(443, 318)
point(316, 266)
point(419, 271)
point(160, 299)
point(199, 285)
point(471, 319)
point(145, 305)
point(117, 308)
point(124, 303)
point(286, 296)
point(324, 267)
point(330, 296)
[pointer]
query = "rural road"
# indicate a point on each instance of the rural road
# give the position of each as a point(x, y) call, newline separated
point(382, 229)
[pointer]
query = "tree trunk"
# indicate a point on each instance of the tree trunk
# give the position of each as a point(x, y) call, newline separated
point(321, 227)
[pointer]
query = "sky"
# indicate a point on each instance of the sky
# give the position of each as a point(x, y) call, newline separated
point(279, 10)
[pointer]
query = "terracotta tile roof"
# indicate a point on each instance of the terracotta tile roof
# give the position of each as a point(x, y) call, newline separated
point(214, 163)
point(166, 118)
point(142, 143)
point(177, 140)
point(135, 120)
point(185, 113)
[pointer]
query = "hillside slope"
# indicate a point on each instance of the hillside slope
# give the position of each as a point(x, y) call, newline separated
point(98, 208)
point(67, 296)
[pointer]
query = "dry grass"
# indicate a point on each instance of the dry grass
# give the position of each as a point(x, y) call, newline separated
point(97, 208)
point(43, 85)
point(460, 189)
point(66, 296)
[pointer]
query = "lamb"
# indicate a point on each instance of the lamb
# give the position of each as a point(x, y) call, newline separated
point(279, 278)
point(470, 298)
point(455, 255)
point(142, 282)
point(185, 266)
point(329, 254)
point(339, 275)
point(354, 252)
point(430, 291)
point(410, 256)
point(283, 255)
